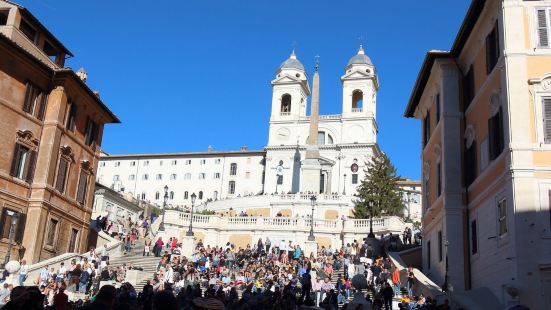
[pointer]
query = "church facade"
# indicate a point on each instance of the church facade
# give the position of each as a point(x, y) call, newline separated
point(344, 143)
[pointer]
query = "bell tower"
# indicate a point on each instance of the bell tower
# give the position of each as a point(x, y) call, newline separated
point(359, 87)
point(290, 90)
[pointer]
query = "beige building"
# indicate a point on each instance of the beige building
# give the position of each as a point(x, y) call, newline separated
point(50, 135)
point(485, 108)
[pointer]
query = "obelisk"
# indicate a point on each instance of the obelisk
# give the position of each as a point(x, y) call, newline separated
point(311, 167)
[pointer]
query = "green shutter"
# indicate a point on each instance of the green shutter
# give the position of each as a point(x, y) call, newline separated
point(543, 32)
point(547, 120)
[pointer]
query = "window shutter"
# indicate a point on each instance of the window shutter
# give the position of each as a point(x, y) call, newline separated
point(547, 119)
point(20, 227)
point(31, 167)
point(15, 161)
point(61, 175)
point(491, 138)
point(2, 223)
point(543, 34)
point(42, 100)
point(28, 97)
point(82, 184)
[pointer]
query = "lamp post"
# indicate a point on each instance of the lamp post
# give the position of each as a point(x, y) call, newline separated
point(14, 218)
point(409, 200)
point(446, 285)
point(344, 185)
point(165, 199)
point(311, 236)
point(190, 230)
point(371, 234)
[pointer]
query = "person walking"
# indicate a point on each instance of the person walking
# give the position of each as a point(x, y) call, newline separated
point(410, 281)
point(387, 294)
point(396, 281)
point(268, 244)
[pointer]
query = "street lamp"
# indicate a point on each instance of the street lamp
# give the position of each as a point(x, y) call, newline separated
point(371, 234)
point(165, 199)
point(409, 200)
point(190, 230)
point(313, 202)
point(344, 185)
point(14, 218)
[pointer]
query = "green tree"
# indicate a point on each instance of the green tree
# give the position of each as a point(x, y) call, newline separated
point(379, 187)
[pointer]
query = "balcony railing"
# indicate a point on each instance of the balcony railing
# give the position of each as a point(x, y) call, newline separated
point(357, 110)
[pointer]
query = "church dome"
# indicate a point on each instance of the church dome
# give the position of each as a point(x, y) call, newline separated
point(292, 63)
point(360, 58)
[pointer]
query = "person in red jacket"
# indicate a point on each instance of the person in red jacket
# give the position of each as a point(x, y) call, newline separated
point(396, 281)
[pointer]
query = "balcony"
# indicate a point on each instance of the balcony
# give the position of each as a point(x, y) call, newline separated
point(357, 110)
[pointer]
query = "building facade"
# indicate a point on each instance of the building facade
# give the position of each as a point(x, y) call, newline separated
point(485, 108)
point(115, 206)
point(346, 142)
point(50, 136)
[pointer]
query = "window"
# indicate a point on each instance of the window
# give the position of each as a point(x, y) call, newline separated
point(188, 161)
point(440, 246)
point(102, 164)
point(247, 175)
point(200, 195)
point(145, 177)
point(502, 216)
point(231, 187)
point(233, 169)
point(357, 100)
point(72, 248)
point(202, 176)
point(131, 177)
point(547, 120)
point(187, 176)
point(286, 104)
point(329, 139)
point(215, 195)
point(474, 238)
point(82, 187)
point(428, 255)
point(495, 135)
point(321, 137)
point(72, 118)
point(143, 196)
point(28, 31)
point(437, 103)
point(62, 169)
point(203, 161)
point(549, 207)
point(470, 164)
point(117, 164)
point(52, 232)
point(23, 163)
point(159, 176)
point(279, 180)
point(217, 175)
point(132, 163)
point(174, 162)
point(468, 88)
point(91, 132)
point(35, 101)
point(354, 178)
point(157, 195)
point(173, 176)
point(438, 179)
point(6, 222)
point(171, 195)
point(217, 161)
point(542, 16)
point(492, 49)
point(4, 17)
point(146, 163)
point(426, 129)
point(160, 162)
point(116, 177)
point(186, 195)
point(426, 193)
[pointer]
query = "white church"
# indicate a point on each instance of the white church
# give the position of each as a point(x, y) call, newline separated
point(307, 155)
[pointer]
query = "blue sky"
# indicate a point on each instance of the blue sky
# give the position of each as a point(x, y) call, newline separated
point(185, 74)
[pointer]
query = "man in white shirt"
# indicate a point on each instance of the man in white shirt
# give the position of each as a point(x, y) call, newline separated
point(282, 246)
point(23, 272)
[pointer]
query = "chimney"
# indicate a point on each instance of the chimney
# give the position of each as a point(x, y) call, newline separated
point(209, 149)
point(243, 148)
point(81, 73)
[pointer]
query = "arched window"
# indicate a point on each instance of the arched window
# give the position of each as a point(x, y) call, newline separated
point(329, 139)
point(321, 137)
point(357, 100)
point(171, 195)
point(186, 195)
point(215, 195)
point(200, 195)
point(157, 195)
point(231, 187)
point(233, 169)
point(286, 103)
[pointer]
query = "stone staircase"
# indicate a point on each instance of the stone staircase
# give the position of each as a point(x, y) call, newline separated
point(136, 258)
